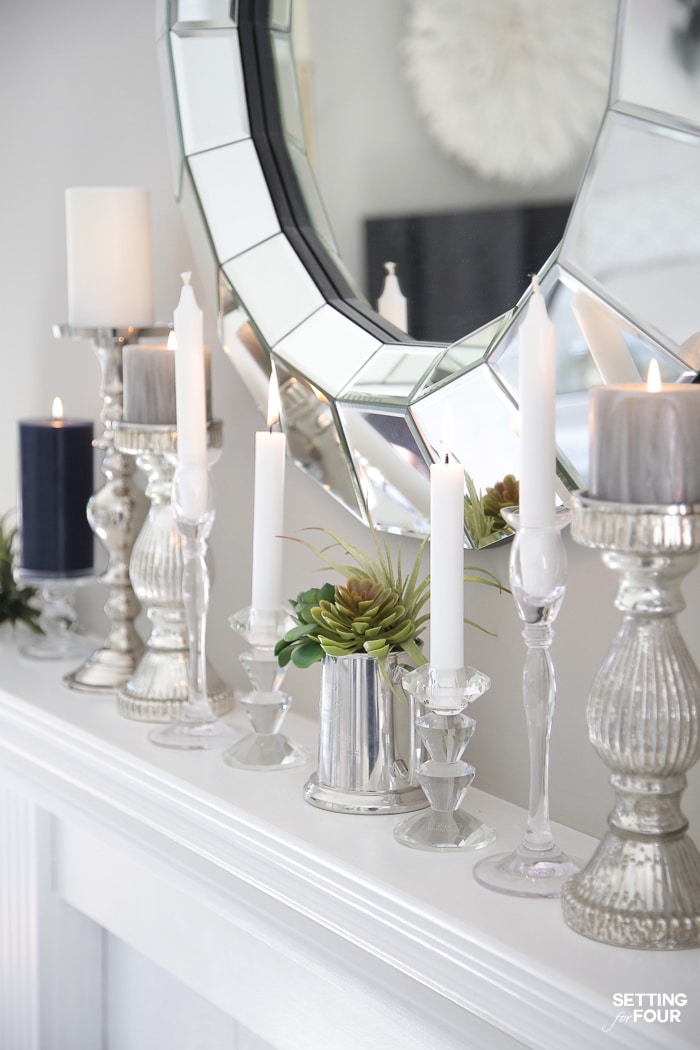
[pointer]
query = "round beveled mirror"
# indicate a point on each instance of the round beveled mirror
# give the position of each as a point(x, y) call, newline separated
point(363, 403)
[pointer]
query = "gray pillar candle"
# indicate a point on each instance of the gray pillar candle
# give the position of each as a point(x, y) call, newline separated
point(645, 443)
point(148, 371)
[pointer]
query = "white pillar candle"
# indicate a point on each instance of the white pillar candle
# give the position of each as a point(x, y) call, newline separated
point(537, 368)
point(110, 269)
point(644, 442)
point(446, 566)
point(191, 403)
point(268, 511)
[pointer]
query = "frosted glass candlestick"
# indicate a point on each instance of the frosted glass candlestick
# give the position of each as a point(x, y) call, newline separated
point(538, 867)
point(445, 778)
point(198, 726)
point(266, 748)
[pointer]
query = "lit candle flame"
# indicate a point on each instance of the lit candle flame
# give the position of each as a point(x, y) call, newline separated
point(57, 408)
point(273, 402)
point(172, 342)
point(653, 377)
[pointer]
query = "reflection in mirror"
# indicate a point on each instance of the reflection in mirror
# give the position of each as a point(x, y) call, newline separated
point(362, 404)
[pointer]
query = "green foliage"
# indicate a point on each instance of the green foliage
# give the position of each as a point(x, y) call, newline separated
point(300, 644)
point(15, 602)
point(483, 512)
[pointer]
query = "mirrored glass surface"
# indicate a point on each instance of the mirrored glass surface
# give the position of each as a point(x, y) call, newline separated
point(393, 374)
point(274, 287)
point(391, 468)
point(210, 89)
point(659, 58)
point(235, 198)
point(203, 14)
point(329, 349)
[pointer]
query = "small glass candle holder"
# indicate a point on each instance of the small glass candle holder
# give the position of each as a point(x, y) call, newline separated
point(445, 731)
point(63, 638)
point(266, 748)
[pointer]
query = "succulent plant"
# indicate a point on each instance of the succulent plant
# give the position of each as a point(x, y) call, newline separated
point(503, 494)
point(15, 602)
point(300, 644)
point(363, 616)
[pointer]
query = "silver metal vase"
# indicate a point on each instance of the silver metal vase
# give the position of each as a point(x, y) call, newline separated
point(368, 751)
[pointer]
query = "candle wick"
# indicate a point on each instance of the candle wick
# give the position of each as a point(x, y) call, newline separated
point(186, 277)
point(447, 457)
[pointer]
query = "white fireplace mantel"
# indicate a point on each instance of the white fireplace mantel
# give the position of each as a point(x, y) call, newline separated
point(312, 929)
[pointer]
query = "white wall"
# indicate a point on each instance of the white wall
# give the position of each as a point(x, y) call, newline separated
point(82, 105)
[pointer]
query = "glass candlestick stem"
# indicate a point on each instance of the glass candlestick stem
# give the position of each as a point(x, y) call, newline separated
point(197, 727)
point(538, 867)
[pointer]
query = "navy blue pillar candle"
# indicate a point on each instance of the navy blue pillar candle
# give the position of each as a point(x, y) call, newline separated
point(56, 482)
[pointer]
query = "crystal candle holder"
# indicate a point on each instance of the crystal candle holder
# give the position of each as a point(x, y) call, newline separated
point(159, 687)
point(197, 726)
point(63, 638)
point(114, 518)
point(641, 887)
point(445, 778)
point(538, 867)
point(266, 748)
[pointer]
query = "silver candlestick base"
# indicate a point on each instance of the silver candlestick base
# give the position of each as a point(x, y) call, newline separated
point(266, 748)
point(641, 888)
point(159, 687)
point(114, 518)
point(445, 778)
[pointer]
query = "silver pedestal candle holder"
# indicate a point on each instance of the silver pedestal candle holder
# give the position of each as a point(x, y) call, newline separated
point(266, 748)
point(159, 687)
point(445, 731)
point(63, 638)
point(641, 888)
point(197, 727)
point(112, 514)
point(538, 867)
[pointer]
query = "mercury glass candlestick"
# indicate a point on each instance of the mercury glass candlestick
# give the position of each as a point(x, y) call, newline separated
point(197, 727)
point(641, 888)
point(538, 867)
point(114, 518)
point(266, 748)
point(159, 687)
point(444, 729)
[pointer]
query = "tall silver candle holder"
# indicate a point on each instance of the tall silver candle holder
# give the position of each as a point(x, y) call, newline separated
point(114, 518)
point(197, 727)
point(445, 731)
point(538, 867)
point(266, 705)
point(159, 687)
point(641, 888)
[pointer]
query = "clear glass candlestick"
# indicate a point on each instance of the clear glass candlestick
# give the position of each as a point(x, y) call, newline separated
point(266, 748)
point(445, 778)
point(63, 638)
point(538, 867)
point(197, 727)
